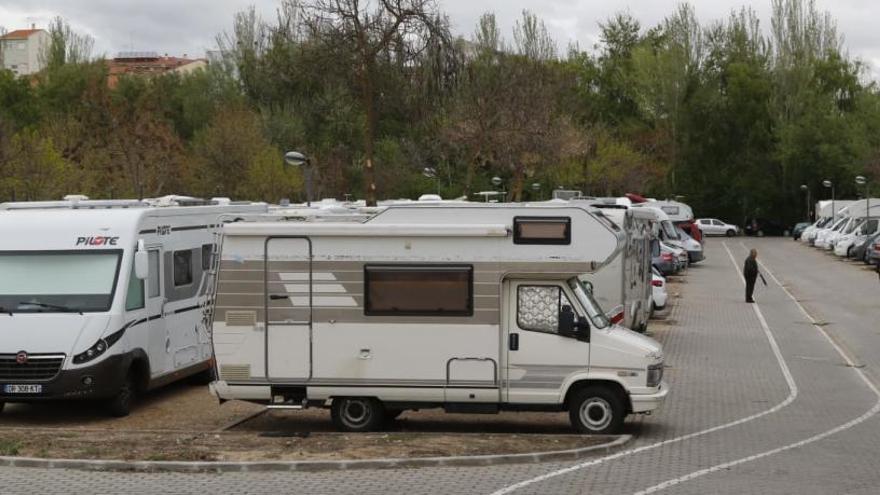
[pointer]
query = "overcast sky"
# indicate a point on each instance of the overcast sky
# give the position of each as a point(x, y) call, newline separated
point(189, 27)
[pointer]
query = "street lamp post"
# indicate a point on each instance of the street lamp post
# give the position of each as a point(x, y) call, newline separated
point(536, 188)
point(862, 181)
point(827, 183)
point(297, 159)
point(431, 173)
point(497, 182)
point(807, 189)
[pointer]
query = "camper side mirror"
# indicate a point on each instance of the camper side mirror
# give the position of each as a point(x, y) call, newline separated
point(141, 262)
point(570, 325)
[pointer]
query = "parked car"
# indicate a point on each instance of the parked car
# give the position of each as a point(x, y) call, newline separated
point(659, 294)
point(760, 227)
point(681, 256)
point(799, 229)
point(873, 253)
point(663, 261)
point(694, 248)
point(713, 226)
point(860, 248)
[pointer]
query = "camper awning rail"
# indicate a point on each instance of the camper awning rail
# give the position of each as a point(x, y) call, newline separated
point(366, 230)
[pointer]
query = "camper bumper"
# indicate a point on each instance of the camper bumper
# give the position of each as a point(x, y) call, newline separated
point(696, 256)
point(642, 403)
point(99, 381)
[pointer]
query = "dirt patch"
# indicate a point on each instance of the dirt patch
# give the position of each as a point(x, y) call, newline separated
point(239, 446)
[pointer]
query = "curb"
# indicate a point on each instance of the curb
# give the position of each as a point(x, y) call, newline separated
point(308, 466)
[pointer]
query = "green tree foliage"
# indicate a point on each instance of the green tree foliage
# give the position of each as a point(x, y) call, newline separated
point(734, 115)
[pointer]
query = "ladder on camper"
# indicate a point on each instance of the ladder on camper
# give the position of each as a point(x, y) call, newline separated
point(212, 279)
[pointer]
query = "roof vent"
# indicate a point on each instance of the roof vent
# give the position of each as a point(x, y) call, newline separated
point(75, 197)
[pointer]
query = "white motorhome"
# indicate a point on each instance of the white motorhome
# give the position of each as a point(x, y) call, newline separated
point(105, 299)
point(623, 286)
point(472, 308)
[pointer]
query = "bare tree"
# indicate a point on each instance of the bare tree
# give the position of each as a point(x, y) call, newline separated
point(390, 32)
point(66, 46)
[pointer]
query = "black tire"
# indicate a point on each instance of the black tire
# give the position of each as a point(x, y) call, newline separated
point(119, 405)
point(357, 414)
point(731, 233)
point(597, 410)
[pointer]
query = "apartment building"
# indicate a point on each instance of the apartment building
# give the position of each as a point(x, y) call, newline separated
point(21, 51)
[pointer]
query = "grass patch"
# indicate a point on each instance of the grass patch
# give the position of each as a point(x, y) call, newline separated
point(10, 447)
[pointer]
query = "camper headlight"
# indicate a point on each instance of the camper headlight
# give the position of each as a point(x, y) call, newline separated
point(99, 348)
point(655, 374)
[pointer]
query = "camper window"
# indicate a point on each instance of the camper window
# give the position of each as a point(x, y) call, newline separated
point(207, 253)
point(538, 307)
point(153, 273)
point(182, 268)
point(418, 290)
point(542, 230)
point(134, 299)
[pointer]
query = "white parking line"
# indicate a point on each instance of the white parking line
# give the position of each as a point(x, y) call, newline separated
point(815, 438)
point(792, 394)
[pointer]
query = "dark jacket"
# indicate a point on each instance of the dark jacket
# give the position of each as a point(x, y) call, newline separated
point(750, 269)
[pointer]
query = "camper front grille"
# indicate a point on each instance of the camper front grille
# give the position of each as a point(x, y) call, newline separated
point(241, 318)
point(35, 367)
point(235, 372)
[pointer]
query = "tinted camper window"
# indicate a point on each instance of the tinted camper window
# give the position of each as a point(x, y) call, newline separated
point(542, 230)
point(183, 274)
point(207, 251)
point(418, 290)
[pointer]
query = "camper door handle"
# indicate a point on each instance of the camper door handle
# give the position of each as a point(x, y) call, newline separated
point(365, 354)
point(277, 297)
point(514, 342)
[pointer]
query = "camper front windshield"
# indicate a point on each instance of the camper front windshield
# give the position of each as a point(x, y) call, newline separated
point(585, 296)
point(58, 281)
point(669, 230)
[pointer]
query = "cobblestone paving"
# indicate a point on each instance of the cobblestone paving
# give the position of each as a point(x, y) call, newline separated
point(722, 369)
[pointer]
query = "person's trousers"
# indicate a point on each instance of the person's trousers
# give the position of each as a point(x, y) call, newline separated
point(750, 288)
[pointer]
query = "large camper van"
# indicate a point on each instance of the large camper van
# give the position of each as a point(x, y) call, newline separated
point(105, 299)
point(472, 308)
point(623, 286)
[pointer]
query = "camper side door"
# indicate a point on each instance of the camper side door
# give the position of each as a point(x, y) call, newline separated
point(541, 351)
point(154, 299)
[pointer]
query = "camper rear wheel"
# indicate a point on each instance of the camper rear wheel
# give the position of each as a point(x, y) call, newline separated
point(120, 404)
point(597, 410)
point(357, 414)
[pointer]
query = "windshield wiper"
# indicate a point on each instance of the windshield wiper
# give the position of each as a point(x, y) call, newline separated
point(59, 307)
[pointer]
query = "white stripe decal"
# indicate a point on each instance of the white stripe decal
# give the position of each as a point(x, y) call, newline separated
point(304, 277)
point(325, 301)
point(793, 392)
point(815, 438)
point(315, 288)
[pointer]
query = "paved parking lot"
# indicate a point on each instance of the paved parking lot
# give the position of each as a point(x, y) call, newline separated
point(762, 401)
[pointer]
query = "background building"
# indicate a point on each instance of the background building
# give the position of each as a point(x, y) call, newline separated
point(150, 63)
point(22, 50)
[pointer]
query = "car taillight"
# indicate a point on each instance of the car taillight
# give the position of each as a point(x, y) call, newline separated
point(617, 318)
point(657, 283)
point(667, 256)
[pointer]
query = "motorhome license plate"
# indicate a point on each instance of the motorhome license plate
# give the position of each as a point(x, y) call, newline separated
point(23, 389)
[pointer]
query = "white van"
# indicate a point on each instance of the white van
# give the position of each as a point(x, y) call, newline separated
point(472, 308)
point(105, 299)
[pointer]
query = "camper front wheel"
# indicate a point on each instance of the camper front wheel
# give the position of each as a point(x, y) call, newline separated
point(120, 404)
point(597, 410)
point(357, 413)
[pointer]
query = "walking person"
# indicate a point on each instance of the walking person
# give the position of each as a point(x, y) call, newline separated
point(751, 273)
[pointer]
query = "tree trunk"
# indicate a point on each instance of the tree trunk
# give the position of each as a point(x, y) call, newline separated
point(517, 186)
